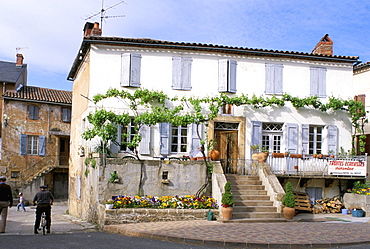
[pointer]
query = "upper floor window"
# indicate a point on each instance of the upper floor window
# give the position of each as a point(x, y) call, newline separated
point(318, 82)
point(315, 139)
point(66, 114)
point(179, 139)
point(130, 69)
point(227, 76)
point(274, 78)
point(181, 73)
point(127, 134)
point(227, 109)
point(32, 145)
point(33, 112)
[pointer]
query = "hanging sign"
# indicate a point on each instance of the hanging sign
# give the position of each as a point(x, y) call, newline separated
point(347, 168)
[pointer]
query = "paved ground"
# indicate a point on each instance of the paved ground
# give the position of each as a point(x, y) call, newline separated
point(305, 230)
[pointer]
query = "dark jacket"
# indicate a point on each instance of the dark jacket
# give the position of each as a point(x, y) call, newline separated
point(6, 193)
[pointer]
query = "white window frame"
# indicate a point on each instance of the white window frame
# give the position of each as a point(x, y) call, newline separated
point(314, 139)
point(179, 138)
point(32, 145)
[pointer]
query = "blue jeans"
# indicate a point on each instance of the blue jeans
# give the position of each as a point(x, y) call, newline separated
point(21, 205)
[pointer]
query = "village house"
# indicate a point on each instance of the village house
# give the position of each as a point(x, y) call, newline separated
point(35, 139)
point(193, 69)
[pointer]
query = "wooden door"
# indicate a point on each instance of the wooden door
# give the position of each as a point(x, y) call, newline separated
point(227, 145)
point(63, 150)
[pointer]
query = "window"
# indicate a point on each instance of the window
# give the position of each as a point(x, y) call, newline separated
point(272, 137)
point(32, 145)
point(33, 112)
point(66, 114)
point(315, 139)
point(130, 69)
point(126, 135)
point(179, 139)
point(15, 174)
point(181, 73)
point(274, 78)
point(227, 109)
point(227, 76)
point(318, 82)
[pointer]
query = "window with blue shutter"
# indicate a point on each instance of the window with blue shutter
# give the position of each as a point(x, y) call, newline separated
point(195, 140)
point(23, 145)
point(66, 114)
point(181, 73)
point(256, 133)
point(292, 138)
point(32, 145)
point(42, 145)
point(318, 82)
point(274, 78)
point(33, 112)
point(144, 147)
point(227, 76)
point(164, 129)
point(130, 69)
point(332, 139)
point(305, 139)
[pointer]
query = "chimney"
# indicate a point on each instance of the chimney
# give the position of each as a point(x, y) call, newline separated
point(19, 62)
point(92, 29)
point(324, 47)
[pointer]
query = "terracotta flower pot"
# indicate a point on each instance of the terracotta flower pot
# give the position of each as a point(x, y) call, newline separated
point(288, 212)
point(214, 155)
point(296, 155)
point(262, 156)
point(278, 155)
point(227, 213)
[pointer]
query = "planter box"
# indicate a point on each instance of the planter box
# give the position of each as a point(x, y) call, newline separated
point(352, 201)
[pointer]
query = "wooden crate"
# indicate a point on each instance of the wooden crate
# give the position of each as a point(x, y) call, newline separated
point(302, 201)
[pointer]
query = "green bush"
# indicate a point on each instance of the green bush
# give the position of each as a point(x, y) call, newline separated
point(227, 197)
point(288, 199)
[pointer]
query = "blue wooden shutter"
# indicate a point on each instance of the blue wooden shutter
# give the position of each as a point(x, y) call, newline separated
point(33, 112)
point(135, 67)
point(232, 77)
point(322, 82)
point(144, 147)
point(186, 73)
point(222, 75)
point(23, 145)
point(292, 138)
point(278, 79)
point(42, 143)
point(269, 78)
point(195, 140)
point(305, 139)
point(176, 73)
point(66, 114)
point(256, 133)
point(125, 69)
point(164, 129)
point(332, 138)
point(114, 148)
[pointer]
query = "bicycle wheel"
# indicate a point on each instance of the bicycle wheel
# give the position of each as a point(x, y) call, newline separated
point(43, 230)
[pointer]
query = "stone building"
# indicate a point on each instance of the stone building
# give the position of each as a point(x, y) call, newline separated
point(35, 139)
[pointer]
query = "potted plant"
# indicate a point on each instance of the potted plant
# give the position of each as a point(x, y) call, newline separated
point(213, 153)
point(288, 202)
point(262, 156)
point(114, 177)
point(227, 202)
point(109, 204)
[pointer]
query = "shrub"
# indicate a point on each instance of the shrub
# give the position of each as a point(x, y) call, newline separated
point(288, 199)
point(227, 197)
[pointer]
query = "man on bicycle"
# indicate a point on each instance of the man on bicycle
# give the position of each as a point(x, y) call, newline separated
point(44, 200)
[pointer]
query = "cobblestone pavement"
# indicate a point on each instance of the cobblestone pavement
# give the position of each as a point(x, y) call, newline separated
point(317, 231)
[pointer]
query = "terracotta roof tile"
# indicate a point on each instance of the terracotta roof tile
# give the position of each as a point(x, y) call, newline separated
point(40, 94)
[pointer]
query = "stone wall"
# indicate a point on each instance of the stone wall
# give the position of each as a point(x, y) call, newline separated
point(135, 215)
point(351, 201)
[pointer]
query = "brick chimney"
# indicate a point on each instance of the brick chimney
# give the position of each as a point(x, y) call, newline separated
point(324, 47)
point(92, 29)
point(19, 62)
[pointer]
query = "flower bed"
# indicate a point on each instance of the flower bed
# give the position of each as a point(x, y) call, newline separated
point(178, 202)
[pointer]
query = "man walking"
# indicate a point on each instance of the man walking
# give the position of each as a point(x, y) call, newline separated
point(6, 200)
point(44, 200)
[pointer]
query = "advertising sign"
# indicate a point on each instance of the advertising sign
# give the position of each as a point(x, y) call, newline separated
point(347, 168)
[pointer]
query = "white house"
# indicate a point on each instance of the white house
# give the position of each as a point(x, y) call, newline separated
point(192, 69)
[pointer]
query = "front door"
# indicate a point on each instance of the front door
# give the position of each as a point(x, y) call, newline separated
point(60, 185)
point(227, 145)
point(63, 150)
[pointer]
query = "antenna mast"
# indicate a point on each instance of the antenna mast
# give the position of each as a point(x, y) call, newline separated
point(102, 13)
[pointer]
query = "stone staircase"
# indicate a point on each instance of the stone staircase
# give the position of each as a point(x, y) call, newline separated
point(252, 204)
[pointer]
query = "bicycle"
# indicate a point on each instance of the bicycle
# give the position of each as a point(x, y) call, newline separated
point(43, 223)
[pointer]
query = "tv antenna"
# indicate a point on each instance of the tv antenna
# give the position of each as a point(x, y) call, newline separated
point(102, 13)
point(18, 48)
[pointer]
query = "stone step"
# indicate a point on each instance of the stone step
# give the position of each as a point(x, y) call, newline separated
point(251, 197)
point(254, 220)
point(245, 182)
point(249, 192)
point(247, 187)
point(253, 203)
point(255, 209)
point(239, 215)
point(232, 176)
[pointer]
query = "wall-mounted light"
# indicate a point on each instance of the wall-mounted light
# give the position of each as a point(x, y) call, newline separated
point(5, 119)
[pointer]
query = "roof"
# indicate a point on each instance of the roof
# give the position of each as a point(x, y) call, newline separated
point(150, 43)
point(361, 66)
point(38, 94)
point(9, 72)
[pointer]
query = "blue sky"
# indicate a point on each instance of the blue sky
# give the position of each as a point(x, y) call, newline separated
point(50, 31)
